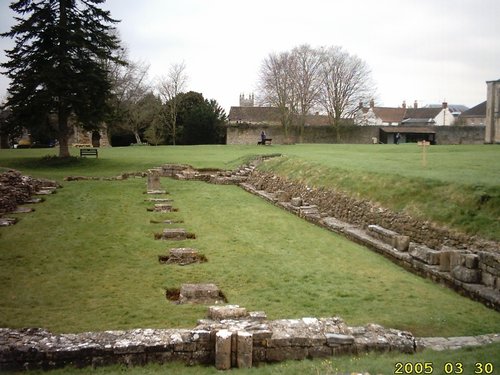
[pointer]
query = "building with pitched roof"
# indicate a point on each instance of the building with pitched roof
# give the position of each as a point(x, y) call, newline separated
point(413, 116)
point(474, 116)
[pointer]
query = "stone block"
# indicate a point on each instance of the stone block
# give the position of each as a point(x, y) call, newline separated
point(153, 181)
point(488, 279)
point(444, 261)
point(336, 339)
point(282, 196)
point(457, 259)
point(466, 275)
point(257, 315)
point(491, 260)
point(296, 202)
point(396, 240)
point(200, 293)
point(471, 261)
point(244, 349)
point(178, 234)
point(223, 350)
point(286, 353)
point(227, 312)
point(424, 254)
point(320, 352)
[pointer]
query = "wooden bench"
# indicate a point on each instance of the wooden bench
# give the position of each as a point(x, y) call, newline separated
point(88, 152)
point(267, 141)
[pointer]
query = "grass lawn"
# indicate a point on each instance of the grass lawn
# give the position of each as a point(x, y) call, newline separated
point(87, 260)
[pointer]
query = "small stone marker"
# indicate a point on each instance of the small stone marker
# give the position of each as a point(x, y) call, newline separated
point(159, 200)
point(23, 210)
point(201, 293)
point(182, 256)
point(174, 234)
point(162, 207)
point(153, 180)
point(227, 312)
point(7, 221)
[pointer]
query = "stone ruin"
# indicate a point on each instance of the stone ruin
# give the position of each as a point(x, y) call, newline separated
point(16, 190)
point(229, 337)
point(201, 294)
point(174, 234)
point(182, 257)
point(162, 208)
point(472, 272)
point(153, 183)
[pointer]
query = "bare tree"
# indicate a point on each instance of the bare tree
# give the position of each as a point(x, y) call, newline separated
point(277, 88)
point(307, 80)
point(346, 82)
point(169, 87)
point(129, 87)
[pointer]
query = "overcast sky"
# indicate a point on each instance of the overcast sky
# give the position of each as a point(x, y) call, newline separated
point(425, 50)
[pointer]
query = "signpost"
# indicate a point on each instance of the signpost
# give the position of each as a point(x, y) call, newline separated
point(424, 145)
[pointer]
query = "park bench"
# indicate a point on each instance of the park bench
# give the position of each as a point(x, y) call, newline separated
point(88, 152)
point(267, 141)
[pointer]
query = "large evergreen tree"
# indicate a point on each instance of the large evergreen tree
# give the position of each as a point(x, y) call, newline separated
point(57, 66)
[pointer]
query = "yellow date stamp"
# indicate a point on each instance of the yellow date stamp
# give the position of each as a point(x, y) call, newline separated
point(413, 368)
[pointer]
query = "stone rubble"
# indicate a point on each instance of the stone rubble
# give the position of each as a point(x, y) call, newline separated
point(17, 189)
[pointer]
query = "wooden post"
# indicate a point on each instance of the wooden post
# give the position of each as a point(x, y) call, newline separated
point(424, 145)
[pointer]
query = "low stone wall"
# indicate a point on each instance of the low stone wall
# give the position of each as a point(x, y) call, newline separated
point(241, 340)
point(349, 134)
point(250, 134)
point(469, 266)
point(362, 212)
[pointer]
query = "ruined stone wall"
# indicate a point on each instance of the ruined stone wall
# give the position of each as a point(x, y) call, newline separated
point(469, 265)
point(237, 342)
point(363, 212)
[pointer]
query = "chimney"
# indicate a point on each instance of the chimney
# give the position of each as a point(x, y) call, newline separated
point(372, 103)
point(404, 103)
point(445, 105)
point(415, 105)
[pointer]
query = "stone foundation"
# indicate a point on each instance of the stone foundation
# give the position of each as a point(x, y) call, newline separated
point(233, 342)
point(174, 234)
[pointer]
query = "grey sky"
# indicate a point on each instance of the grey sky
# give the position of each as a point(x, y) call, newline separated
point(425, 50)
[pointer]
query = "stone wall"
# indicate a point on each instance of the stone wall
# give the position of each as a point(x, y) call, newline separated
point(250, 134)
point(457, 135)
point(242, 340)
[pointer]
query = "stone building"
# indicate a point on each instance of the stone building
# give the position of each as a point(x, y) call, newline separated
point(474, 116)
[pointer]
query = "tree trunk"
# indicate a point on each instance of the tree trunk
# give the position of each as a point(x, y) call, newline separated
point(63, 134)
point(137, 137)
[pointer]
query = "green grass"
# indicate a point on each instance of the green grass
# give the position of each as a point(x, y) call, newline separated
point(441, 363)
point(87, 260)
